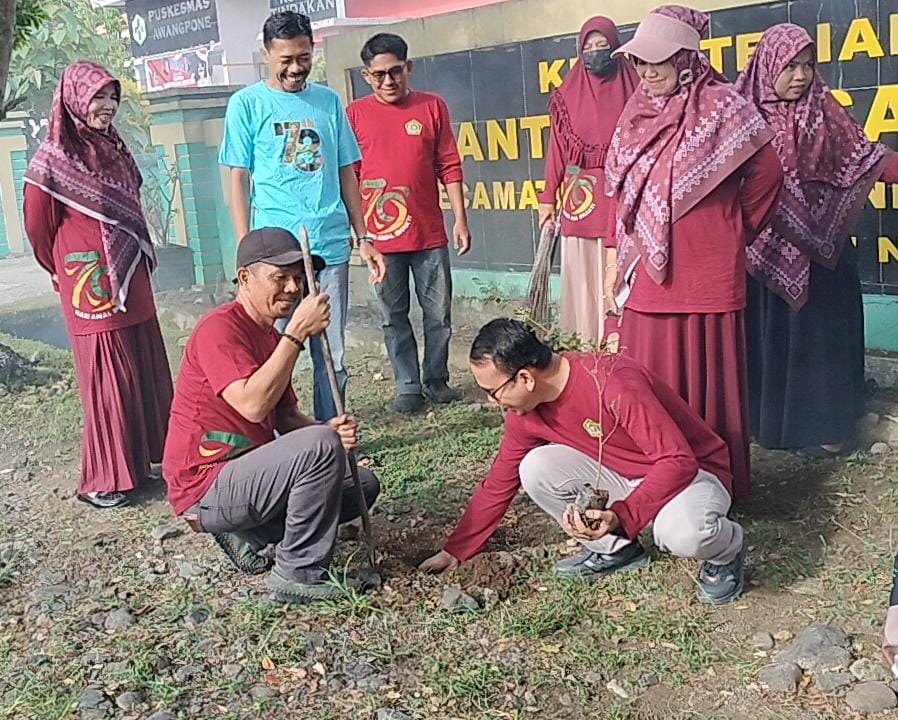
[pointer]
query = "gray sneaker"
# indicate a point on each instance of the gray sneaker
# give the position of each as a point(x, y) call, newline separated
point(721, 584)
point(241, 553)
point(292, 592)
point(589, 564)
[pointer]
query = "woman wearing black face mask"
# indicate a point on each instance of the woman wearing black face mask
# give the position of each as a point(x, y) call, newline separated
point(584, 113)
point(599, 62)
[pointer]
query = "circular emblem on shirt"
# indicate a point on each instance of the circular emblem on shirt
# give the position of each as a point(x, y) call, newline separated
point(308, 151)
point(414, 127)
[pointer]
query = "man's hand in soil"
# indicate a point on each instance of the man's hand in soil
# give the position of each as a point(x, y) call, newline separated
point(347, 428)
point(439, 563)
point(572, 522)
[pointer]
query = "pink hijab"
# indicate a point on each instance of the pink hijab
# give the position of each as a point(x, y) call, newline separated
point(585, 108)
point(670, 152)
point(830, 167)
point(94, 173)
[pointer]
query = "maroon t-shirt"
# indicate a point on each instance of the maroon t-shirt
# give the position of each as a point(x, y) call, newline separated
point(69, 244)
point(654, 435)
point(204, 432)
point(406, 148)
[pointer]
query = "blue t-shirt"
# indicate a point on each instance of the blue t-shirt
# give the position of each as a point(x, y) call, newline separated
point(293, 145)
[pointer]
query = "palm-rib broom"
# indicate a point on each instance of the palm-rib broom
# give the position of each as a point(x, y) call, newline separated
point(538, 290)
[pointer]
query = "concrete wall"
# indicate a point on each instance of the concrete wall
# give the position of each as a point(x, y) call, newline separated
point(188, 126)
point(12, 170)
point(508, 22)
point(240, 23)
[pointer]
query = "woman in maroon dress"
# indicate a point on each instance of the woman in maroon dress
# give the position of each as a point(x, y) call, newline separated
point(584, 113)
point(86, 226)
point(695, 180)
point(805, 314)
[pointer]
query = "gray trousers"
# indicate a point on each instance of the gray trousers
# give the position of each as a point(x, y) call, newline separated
point(293, 491)
point(692, 525)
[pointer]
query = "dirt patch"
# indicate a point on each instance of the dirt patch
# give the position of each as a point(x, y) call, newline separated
point(205, 642)
point(495, 570)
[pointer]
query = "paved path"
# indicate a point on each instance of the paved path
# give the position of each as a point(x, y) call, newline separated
point(23, 283)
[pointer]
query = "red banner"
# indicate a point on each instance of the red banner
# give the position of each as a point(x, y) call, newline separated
point(189, 68)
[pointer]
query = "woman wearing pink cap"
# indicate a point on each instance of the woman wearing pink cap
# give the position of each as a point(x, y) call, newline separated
point(805, 316)
point(575, 161)
point(695, 180)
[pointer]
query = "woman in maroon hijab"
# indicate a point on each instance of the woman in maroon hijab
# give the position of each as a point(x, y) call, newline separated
point(86, 226)
point(805, 314)
point(584, 113)
point(695, 180)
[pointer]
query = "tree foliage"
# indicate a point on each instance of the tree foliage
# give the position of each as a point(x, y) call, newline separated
point(70, 30)
point(74, 30)
point(29, 15)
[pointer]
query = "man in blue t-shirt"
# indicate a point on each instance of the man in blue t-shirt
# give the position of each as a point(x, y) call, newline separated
point(293, 141)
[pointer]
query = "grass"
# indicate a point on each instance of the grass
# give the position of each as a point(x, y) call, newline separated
point(544, 649)
point(51, 410)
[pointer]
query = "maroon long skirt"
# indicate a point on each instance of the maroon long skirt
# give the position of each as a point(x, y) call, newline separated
point(703, 358)
point(126, 390)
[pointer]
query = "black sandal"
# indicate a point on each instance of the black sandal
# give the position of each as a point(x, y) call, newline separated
point(104, 500)
point(818, 452)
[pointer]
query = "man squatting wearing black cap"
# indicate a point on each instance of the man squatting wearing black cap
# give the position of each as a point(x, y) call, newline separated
point(228, 474)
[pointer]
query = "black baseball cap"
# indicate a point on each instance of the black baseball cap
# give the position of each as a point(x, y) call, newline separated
point(273, 246)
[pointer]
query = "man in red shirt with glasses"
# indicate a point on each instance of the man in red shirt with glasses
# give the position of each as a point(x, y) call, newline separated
point(603, 419)
point(407, 147)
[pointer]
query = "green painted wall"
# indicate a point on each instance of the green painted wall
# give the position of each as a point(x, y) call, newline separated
point(881, 322)
point(19, 165)
point(199, 187)
point(4, 244)
point(227, 241)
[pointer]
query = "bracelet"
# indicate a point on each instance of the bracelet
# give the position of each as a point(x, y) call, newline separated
point(295, 340)
point(367, 239)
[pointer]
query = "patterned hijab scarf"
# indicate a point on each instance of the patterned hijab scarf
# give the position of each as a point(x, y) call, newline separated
point(671, 152)
point(94, 173)
point(830, 167)
point(583, 131)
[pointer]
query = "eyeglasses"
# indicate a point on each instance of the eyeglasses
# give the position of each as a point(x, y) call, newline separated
point(379, 76)
point(494, 393)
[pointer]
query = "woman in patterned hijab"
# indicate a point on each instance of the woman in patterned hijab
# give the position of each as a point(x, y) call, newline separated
point(695, 180)
point(805, 314)
point(85, 223)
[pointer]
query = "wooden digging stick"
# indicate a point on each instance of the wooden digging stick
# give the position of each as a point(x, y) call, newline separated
point(338, 400)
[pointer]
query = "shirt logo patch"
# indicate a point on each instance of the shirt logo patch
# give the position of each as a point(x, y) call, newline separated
point(578, 199)
point(593, 429)
point(223, 445)
point(386, 210)
point(90, 299)
point(414, 127)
